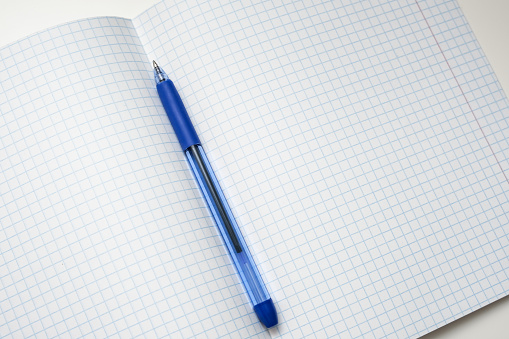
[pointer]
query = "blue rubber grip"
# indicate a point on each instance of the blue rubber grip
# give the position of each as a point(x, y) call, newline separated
point(177, 113)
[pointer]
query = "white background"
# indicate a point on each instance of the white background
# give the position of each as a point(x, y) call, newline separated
point(488, 19)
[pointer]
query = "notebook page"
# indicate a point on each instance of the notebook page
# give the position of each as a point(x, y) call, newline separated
point(360, 145)
point(100, 218)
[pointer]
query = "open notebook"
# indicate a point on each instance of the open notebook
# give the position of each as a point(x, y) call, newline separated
point(362, 146)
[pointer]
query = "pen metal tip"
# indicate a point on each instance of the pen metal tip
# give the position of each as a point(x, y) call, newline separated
point(159, 74)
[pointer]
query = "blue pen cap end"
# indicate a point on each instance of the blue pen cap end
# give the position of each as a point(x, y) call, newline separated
point(266, 312)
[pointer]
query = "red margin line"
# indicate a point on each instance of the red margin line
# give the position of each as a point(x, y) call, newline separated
point(461, 89)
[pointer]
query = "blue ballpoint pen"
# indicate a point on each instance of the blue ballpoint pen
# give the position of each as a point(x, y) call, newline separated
point(186, 134)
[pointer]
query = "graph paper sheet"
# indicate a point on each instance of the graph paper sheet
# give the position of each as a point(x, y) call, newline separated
point(361, 147)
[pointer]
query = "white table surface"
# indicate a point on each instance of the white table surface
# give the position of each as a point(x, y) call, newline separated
point(489, 20)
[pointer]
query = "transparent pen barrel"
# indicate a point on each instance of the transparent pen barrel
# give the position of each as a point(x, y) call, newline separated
point(228, 228)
